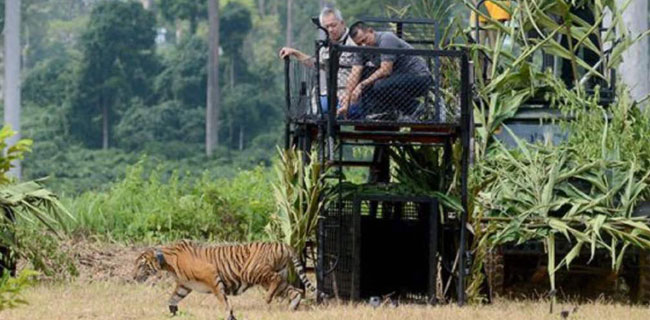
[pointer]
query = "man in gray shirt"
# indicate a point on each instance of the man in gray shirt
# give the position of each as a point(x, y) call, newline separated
point(397, 80)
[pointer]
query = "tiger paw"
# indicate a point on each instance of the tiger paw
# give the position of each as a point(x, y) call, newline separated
point(295, 303)
point(173, 309)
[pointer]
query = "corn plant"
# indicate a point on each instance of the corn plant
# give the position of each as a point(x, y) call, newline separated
point(27, 203)
point(297, 191)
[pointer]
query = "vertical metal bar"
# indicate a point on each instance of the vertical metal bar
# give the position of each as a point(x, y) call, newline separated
point(613, 83)
point(319, 107)
point(477, 26)
point(287, 97)
point(356, 250)
point(332, 85)
point(436, 74)
point(465, 141)
point(320, 272)
point(433, 250)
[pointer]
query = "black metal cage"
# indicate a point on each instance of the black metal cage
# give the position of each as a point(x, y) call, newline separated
point(423, 101)
point(378, 245)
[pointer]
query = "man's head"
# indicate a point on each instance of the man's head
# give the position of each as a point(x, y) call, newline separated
point(332, 20)
point(362, 34)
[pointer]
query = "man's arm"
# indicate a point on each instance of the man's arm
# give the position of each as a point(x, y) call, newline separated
point(353, 81)
point(385, 69)
point(305, 59)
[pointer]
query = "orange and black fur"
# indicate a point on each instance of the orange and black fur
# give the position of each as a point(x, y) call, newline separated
point(224, 270)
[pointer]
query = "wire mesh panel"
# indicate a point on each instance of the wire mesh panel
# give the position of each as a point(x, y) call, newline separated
point(302, 90)
point(422, 87)
point(418, 86)
point(336, 257)
point(380, 245)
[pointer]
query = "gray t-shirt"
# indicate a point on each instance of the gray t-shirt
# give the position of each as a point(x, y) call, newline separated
point(402, 64)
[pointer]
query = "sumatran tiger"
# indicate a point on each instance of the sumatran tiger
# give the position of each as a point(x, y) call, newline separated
point(224, 270)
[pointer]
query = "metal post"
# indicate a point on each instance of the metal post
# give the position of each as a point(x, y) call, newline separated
point(436, 74)
point(287, 96)
point(465, 126)
point(433, 250)
point(331, 97)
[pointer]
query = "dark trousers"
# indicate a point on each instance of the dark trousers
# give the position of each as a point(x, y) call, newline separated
point(396, 92)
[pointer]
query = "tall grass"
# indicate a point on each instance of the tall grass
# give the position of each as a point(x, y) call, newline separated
point(144, 207)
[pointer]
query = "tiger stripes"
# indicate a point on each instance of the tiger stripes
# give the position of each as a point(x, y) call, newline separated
point(226, 269)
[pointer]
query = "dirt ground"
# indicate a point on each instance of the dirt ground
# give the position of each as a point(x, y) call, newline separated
point(104, 290)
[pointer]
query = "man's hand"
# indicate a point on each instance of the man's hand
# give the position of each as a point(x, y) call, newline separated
point(286, 52)
point(356, 93)
point(343, 110)
point(301, 56)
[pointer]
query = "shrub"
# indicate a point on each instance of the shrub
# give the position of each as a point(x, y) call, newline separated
point(10, 288)
point(146, 207)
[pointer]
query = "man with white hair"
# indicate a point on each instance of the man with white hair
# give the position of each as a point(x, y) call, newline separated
point(332, 20)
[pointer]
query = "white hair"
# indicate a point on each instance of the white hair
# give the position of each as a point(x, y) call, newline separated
point(327, 11)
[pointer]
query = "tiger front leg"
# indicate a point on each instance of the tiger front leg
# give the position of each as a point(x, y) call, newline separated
point(180, 292)
point(219, 290)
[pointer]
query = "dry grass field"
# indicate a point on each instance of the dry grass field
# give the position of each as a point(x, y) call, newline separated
point(114, 300)
point(103, 292)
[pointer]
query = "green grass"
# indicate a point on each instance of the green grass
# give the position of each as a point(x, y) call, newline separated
point(146, 207)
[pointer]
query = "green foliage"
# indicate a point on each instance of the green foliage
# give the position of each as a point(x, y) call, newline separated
point(298, 194)
point(26, 205)
point(118, 62)
point(48, 82)
point(147, 208)
point(439, 11)
point(169, 121)
point(11, 288)
point(583, 189)
point(190, 10)
point(237, 18)
point(16, 151)
point(83, 60)
point(45, 252)
point(183, 76)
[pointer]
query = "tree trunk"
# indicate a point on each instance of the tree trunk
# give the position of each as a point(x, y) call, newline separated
point(147, 4)
point(241, 138)
point(179, 29)
point(104, 124)
point(232, 73)
point(24, 52)
point(274, 7)
point(12, 76)
point(231, 132)
point(635, 68)
point(261, 4)
point(289, 23)
point(212, 110)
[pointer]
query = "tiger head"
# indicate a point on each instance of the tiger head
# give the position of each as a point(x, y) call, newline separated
point(146, 265)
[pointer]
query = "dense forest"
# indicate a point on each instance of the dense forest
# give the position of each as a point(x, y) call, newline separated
point(105, 83)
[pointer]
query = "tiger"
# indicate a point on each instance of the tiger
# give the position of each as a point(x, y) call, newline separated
point(225, 269)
